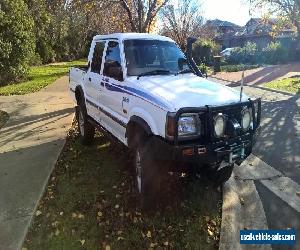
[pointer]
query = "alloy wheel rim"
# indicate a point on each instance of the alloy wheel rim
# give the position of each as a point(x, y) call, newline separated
point(81, 123)
point(138, 170)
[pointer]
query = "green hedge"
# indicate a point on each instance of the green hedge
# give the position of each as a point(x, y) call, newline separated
point(238, 67)
point(274, 53)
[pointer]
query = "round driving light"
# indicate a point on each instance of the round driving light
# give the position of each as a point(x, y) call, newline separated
point(246, 119)
point(219, 125)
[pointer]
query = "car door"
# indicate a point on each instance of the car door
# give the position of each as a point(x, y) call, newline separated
point(93, 81)
point(114, 94)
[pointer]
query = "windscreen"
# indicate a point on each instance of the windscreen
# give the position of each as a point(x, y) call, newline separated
point(144, 56)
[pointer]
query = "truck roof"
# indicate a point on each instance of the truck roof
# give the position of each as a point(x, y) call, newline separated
point(125, 36)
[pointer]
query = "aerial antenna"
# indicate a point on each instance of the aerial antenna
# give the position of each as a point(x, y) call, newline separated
point(242, 85)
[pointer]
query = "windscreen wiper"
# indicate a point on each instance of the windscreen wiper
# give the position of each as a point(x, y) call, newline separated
point(155, 72)
point(184, 71)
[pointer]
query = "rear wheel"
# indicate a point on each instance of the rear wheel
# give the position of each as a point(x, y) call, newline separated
point(86, 130)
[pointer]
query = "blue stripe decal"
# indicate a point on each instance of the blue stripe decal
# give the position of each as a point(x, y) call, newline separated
point(136, 93)
point(107, 113)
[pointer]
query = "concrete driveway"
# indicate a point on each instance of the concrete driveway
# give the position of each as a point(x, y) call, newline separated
point(275, 165)
point(30, 143)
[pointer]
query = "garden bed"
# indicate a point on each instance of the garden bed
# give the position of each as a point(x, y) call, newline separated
point(90, 203)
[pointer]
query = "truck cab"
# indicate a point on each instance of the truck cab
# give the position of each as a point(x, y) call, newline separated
point(143, 90)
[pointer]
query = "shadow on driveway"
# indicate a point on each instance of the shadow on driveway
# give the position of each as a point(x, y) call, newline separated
point(279, 141)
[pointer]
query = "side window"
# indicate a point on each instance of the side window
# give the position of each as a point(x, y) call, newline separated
point(112, 65)
point(97, 57)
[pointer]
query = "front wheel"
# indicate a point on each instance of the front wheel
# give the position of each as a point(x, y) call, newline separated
point(86, 130)
point(147, 174)
point(220, 173)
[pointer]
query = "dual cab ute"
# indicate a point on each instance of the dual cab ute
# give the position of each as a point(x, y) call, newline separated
point(147, 93)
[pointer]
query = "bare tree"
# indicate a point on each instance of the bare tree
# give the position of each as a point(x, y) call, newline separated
point(182, 21)
point(141, 13)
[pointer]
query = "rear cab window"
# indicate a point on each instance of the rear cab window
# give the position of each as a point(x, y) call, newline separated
point(97, 57)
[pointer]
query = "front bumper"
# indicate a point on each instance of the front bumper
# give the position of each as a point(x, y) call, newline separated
point(208, 150)
point(231, 151)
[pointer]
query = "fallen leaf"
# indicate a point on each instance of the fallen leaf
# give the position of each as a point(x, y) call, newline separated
point(166, 243)
point(213, 222)
point(38, 212)
point(210, 232)
point(61, 213)
point(119, 232)
point(56, 232)
point(117, 206)
point(120, 238)
point(242, 201)
point(80, 216)
point(82, 242)
point(114, 187)
point(149, 234)
point(152, 245)
point(99, 214)
point(55, 223)
point(107, 247)
point(74, 215)
point(207, 218)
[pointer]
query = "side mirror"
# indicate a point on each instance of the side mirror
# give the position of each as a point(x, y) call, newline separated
point(181, 62)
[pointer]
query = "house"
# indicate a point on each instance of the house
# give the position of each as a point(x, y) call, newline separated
point(222, 27)
point(257, 30)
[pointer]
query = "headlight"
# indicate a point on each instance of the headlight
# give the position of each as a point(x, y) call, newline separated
point(219, 125)
point(188, 124)
point(246, 119)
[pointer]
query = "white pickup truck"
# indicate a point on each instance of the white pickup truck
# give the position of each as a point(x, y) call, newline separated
point(147, 93)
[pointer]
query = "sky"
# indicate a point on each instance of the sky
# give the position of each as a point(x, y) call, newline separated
point(236, 11)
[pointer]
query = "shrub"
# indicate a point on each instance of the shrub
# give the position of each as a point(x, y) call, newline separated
point(275, 53)
point(16, 40)
point(238, 67)
point(203, 68)
point(246, 54)
point(204, 50)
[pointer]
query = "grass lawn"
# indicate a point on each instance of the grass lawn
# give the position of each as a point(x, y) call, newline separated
point(291, 84)
point(38, 78)
point(90, 203)
point(3, 118)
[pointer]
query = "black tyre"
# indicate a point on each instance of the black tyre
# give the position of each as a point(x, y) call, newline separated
point(147, 172)
point(86, 130)
point(219, 174)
